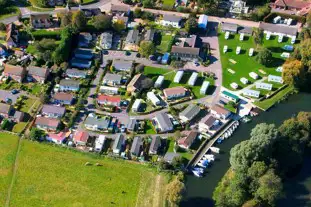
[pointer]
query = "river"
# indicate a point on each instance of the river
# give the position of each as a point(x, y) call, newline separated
point(200, 190)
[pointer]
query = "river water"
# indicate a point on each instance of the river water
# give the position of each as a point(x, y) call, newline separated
point(200, 190)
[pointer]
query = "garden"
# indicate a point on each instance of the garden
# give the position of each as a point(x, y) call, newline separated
point(163, 41)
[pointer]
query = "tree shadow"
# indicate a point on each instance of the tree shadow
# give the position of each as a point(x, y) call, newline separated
point(197, 202)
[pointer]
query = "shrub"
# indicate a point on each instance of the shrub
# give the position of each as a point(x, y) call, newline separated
point(40, 34)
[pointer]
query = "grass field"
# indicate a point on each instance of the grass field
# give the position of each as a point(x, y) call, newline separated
point(8, 147)
point(54, 176)
point(27, 104)
point(245, 64)
point(150, 128)
point(169, 75)
point(163, 47)
point(19, 127)
point(169, 3)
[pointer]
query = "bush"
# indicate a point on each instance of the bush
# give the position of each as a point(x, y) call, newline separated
point(2, 26)
point(40, 34)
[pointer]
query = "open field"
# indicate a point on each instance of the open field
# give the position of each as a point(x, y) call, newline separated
point(55, 176)
point(8, 147)
point(245, 64)
point(169, 75)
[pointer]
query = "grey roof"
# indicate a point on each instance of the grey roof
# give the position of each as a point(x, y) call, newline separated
point(229, 27)
point(18, 115)
point(164, 121)
point(190, 112)
point(106, 37)
point(131, 125)
point(100, 122)
point(37, 71)
point(5, 108)
point(53, 109)
point(69, 82)
point(83, 51)
point(133, 36)
point(149, 35)
point(246, 30)
point(210, 121)
point(71, 72)
point(122, 64)
point(186, 50)
point(155, 143)
point(171, 18)
point(113, 77)
point(118, 142)
point(169, 156)
point(120, 8)
point(276, 28)
point(135, 148)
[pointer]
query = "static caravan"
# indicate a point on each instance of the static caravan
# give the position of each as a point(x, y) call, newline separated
point(244, 80)
point(159, 81)
point(238, 50)
point(136, 105)
point(153, 98)
point(251, 93)
point(193, 78)
point(234, 85)
point(204, 87)
point(265, 86)
point(253, 75)
point(251, 52)
point(178, 76)
point(274, 78)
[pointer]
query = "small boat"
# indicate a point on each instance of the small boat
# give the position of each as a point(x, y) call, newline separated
point(231, 130)
point(215, 149)
point(197, 173)
point(226, 135)
point(219, 141)
point(209, 155)
point(201, 170)
point(201, 165)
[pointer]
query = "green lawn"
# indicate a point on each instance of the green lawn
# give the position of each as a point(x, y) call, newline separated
point(245, 64)
point(184, 154)
point(169, 3)
point(169, 75)
point(27, 104)
point(19, 127)
point(8, 147)
point(164, 46)
point(37, 9)
point(149, 128)
point(55, 176)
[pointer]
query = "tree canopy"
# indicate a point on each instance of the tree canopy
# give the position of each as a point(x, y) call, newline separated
point(147, 48)
point(118, 26)
point(102, 22)
point(174, 191)
point(79, 20)
point(264, 57)
point(191, 25)
point(293, 72)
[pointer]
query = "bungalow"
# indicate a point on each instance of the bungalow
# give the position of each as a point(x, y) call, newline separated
point(279, 30)
point(164, 123)
point(91, 12)
point(118, 143)
point(120, 9)
point(17, 116)
point(171, 20)
point(189, 113)
point(80, 138)
point(79, 63)
point(170, 156)
point(230, 96)
point(220, 112)
point(149, 35)
point(99, 143)
point(85, 54)
point(135, 84)
point(12, 35)
point(75, 73)
point(186, 53)
point(207, 123)
point(229, 27)
point(296, 7)
point(37, 74)
point(112, 79)
point(39, 21)
point(17, 73)
point(153, 98)
point(5, 110)
point(85, 39)
point(174, 93)
point(109, 90)
point(187, 141)
point(69, 85)
point(154, 146)
point(133, 37)
point(57, 138)
point(109, 100)
point(106, 40)
point(63, 98)
point(136, 146)
point(122, 65)
point(53, 111)
point(97, 124)
point(131, 126)
point(47, 123)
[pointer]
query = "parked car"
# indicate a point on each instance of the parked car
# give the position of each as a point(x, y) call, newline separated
point(127, 53)
point(14, 91)
point(151, 57)
point(138, 55)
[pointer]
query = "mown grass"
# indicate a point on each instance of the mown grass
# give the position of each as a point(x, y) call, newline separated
point(19, 127)
point(169, 3)
point(164, 46)
point(8, 147)
point(54, 176)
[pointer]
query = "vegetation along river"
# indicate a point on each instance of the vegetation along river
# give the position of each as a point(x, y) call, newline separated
point(297, 191)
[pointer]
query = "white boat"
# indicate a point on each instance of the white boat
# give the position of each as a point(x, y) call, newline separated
point(201, 165)
point(231, 130)
point(200, 170)
point(209, 156)
point(225, 135)
point(211, 159)
point(215, 149)
point(197, 173)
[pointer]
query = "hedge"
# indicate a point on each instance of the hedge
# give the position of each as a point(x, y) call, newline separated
point(40, 34)
point(271, 16)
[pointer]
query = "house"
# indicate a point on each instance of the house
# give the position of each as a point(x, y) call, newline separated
point(193, 78)
point(53, 111)
point(171, 20)
point(251, 93)
point(99, 143)
point(3, 50)
point(279, 30)
point(207, 123)
point(12, 35)
point(174, 93)
point(220, 112)
point(75, 73)
point(69, 85)
point(170, 156)
point(109, 90)
point(84, 39)
point(118, 143)
point(109, 100)
point(79, 63)
point(106, 40)
point(153, 98)
point(149, 35)
point(133, 37)
point(17, 116)
point(155, 145)
point(40, 21)
point(295, 7)
point(135, 84)
point(136, 105)
point(5, 110)
point(229, 27)
point(97, 124)
point(238, 7)
point(120, 9)
point(204, 87)
point(112, 79)
point(230, 96)
point(131, 126)
point(164, 123)
point(122, 65)
point(189, 113)
point(46, 123)
point(187, 141)
point(82, 53)
point(63, 98)
point(275, 78)
point(136, 146)
point(37, 74)
point(58, 138)
point(17, 73)
point(80, 138)
point(186, 53)
point(265, 86)
point(202, 22)
point(159, 81)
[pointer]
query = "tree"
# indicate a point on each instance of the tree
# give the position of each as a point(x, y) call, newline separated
point(146, 83)
point(308, 19)
point(191, 25)
point(174, 192)
point(177, 162)
point(102, 22)
point(303, 52)
point(148, 3)
point(79, 20)
point(146, 48)
point(36, 134)
point(177, 64)
point(66, 19)
point(139, 68)
point(258, 36)
point(2, 26)
point(138, 13)
point(45, 48)
point(305, 33)
point(162, 165)
point(293, 72)
point(118, 26)
point(260, 13)
point(264, 57)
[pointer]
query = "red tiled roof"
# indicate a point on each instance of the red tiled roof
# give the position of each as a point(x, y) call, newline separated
point(81, 136)
point(60, 136)
point(51, 122)
point(173, 91)
point(116, 99)
point(63, 96)
point(299, 4)
point(14, 70)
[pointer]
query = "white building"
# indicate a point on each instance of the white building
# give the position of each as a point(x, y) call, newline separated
point(153, 98)
point(251, 93)
point(253, 75)
point(277, 29)
point(106, 40)
point(265, 86)
point(136, 105)
point(204, 87)
point(202, 22)
point(109, 90)
point(171, 20)
point(193, 78)
point(274, 78)
point(159, 81)
point(178, 76)
point(99, 143)
point(244, 80)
